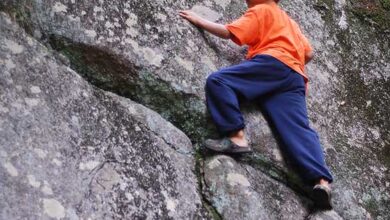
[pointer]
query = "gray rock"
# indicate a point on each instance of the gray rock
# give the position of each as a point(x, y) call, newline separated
point(70, 150)
point(328, 215)
point(239, 191)
point(347, 97)
point(136, 49)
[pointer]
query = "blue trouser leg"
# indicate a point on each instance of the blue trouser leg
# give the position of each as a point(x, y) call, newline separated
point(247, 81)
point(281, 92)
point(287, 113)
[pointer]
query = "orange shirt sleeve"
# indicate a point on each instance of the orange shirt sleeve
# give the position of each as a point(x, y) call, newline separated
point(245, 29)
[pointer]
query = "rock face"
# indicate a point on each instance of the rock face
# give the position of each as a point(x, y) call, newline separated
point(69, 150)
point(143, 50)
point(241, 192)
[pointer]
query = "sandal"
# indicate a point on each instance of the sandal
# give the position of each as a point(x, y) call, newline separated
point(322, 197)
point(225, 145)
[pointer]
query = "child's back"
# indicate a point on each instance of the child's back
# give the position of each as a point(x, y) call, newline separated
point(267, 29)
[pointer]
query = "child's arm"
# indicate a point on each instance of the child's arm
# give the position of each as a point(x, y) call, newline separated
point(306, 44)
point(218, 30)
point(308, 57)
point(308, 49)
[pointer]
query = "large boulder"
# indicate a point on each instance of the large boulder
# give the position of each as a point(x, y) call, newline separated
point(239, 191)
point(137, 49)
point(70, 150)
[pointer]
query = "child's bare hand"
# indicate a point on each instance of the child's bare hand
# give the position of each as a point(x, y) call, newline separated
point(191, 17)
point(218, 30)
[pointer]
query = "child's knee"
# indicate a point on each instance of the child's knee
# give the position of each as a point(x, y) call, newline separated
point(213, 79)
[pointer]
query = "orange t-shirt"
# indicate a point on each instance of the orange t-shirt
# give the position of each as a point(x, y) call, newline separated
point(267, 29)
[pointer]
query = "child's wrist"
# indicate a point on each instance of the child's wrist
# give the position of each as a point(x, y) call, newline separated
point(199, 23)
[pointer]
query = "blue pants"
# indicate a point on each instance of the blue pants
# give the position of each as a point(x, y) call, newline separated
point(280, 92)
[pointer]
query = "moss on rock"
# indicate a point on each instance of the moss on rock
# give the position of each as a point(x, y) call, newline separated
point(109, 72)
point(20, 12)
point(377, 11)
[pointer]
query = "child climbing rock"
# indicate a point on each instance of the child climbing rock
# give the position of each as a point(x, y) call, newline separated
point(272, 75)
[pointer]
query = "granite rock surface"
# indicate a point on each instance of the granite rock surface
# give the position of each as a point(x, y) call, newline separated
point(72, 151)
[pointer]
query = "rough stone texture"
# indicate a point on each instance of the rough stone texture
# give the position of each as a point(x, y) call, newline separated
point(241, 192)
point(69, 150)
point(347, 101)
point(135, 49)
point(328, 215)
point(142, 48)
